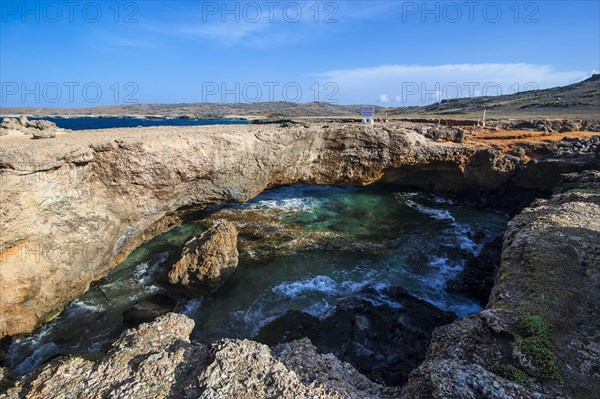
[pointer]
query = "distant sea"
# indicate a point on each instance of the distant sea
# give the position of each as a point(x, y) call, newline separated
point(107, 123)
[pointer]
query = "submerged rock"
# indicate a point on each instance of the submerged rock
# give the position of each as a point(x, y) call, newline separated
point(477, 278)
point(149, 309)
point(207, 260)
point(383, 334)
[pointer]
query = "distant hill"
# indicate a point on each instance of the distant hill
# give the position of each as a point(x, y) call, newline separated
point(579, 99)
point(200, 110)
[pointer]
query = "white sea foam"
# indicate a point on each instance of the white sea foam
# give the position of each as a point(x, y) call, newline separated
point(441, 200)
point(319, 284)
point(381, 299)
point(439, 214)
point(442, 271)
point(144, 272)
point(38, 356)
point(460, 230)
point(191, 306)
point(287, 204)
point(79, 306)
point(144, 293)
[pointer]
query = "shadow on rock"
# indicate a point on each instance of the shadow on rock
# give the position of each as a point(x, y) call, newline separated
point(384, 334)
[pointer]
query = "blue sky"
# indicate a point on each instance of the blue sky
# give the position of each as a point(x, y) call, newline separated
point(390, 53)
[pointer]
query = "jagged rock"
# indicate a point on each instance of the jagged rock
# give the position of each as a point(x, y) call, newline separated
point(382, 334)
point(326, 370)
point(40, 129)
point(453, 380)
point(442, 133)
point(207, 260)
point(549, 273)
point(477, 278)
point(157, 360)
point(40, 125)
point(10, 126)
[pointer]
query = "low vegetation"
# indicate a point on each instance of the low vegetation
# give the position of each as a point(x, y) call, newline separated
point(537, 345)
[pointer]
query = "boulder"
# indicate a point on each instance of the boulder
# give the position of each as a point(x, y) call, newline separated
point(10, 126)
point(44, 135)
point(40, 129)
point(41, 125)
point(207, 260)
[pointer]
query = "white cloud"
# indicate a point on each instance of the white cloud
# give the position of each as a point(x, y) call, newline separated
point(419, 84)
point(384, 98)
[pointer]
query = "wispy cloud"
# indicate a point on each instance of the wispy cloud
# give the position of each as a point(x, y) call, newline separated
point(225, 33)
point(420, 84)
point(270, 23)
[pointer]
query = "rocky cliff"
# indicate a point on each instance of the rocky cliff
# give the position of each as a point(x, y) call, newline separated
point(158, 360)
point(538, 337)
point(76, 205)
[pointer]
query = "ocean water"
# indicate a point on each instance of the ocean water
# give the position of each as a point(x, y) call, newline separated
point(108, 123)
point(302, 248)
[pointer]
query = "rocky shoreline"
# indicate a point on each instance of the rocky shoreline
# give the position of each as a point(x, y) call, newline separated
point(526, 344)
point(100, 195)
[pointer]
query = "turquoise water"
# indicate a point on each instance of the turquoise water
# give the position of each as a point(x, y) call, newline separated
point(301, 247)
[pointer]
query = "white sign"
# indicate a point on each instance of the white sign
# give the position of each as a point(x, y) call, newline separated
point(368, 112)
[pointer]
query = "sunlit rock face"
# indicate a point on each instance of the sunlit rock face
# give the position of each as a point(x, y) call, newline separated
point(73, 207)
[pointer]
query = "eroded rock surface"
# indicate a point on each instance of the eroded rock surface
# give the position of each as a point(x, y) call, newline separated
point(207, 260)
point(75, 206)
point(39, 129)
point(157, 360)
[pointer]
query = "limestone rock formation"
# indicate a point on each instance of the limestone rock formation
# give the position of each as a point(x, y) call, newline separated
point(207, 260)
point(39, 129)
point(157, 360)
point(538, 336)
point(75, 206)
